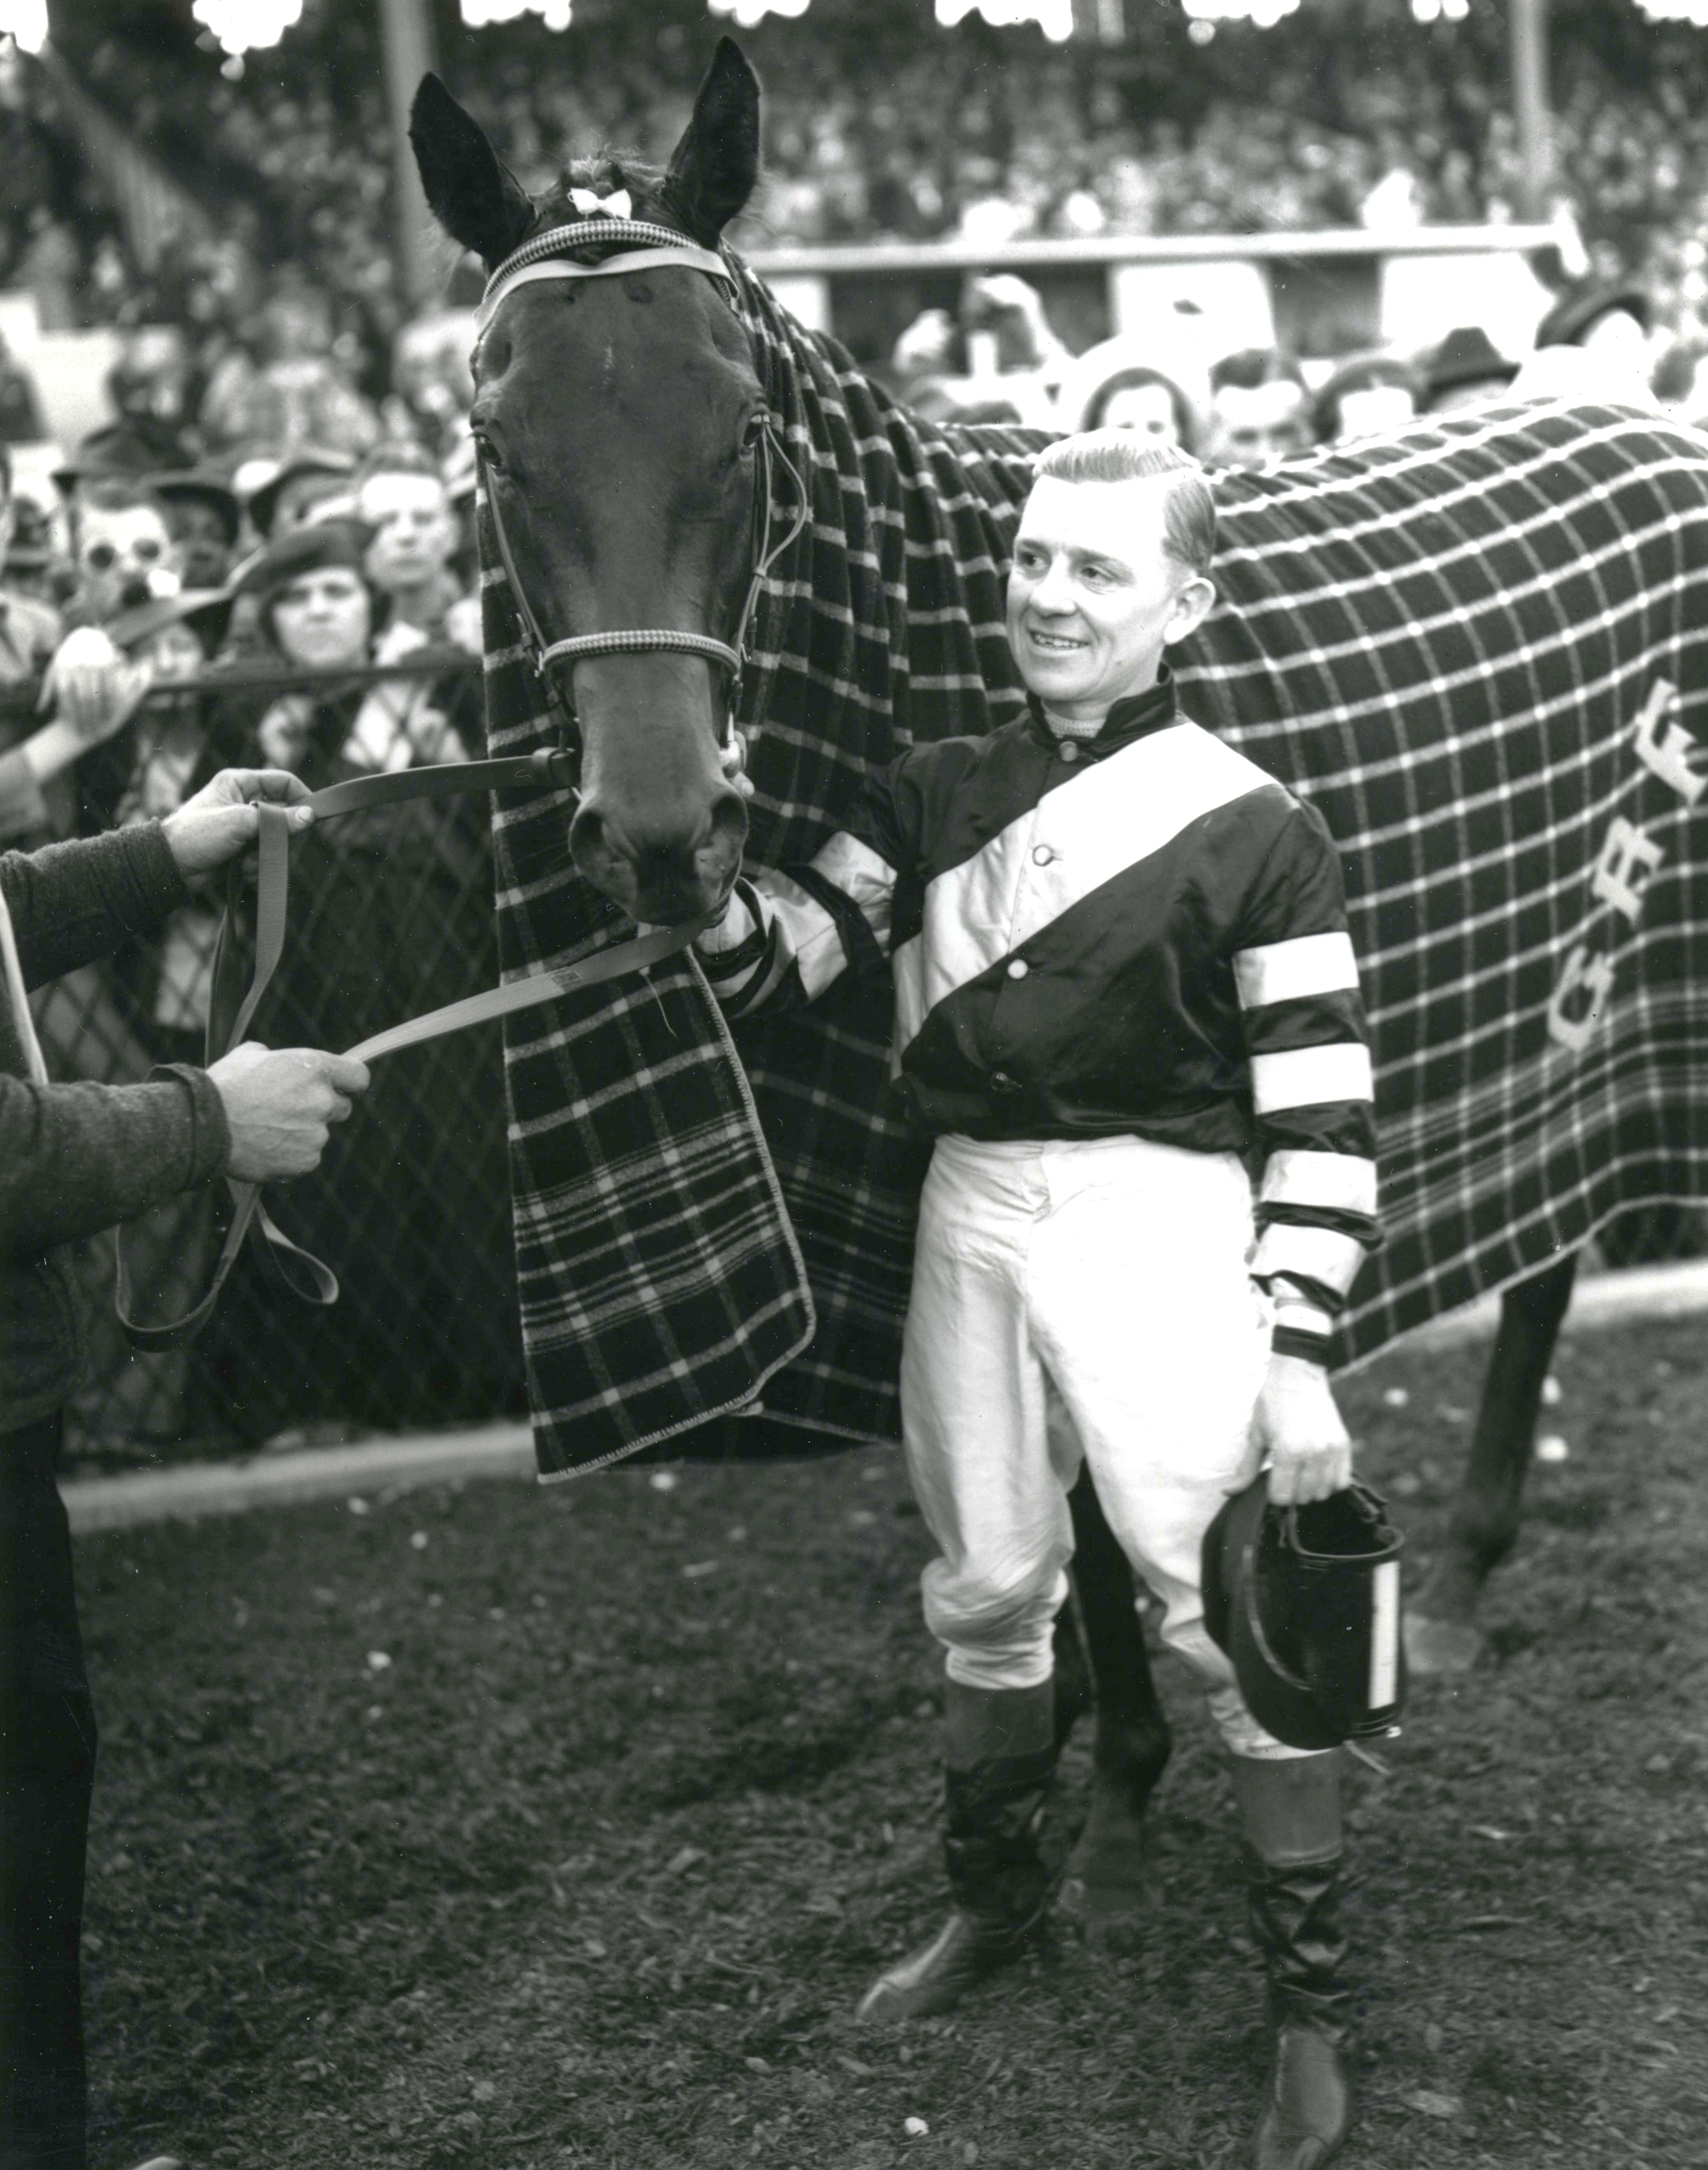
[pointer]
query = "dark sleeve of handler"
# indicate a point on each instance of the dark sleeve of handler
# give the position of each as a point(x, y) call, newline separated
point(1307, 1043)
point(77, 1158)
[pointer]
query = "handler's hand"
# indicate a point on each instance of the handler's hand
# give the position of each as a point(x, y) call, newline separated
point(1296, 1419)
point(280, 1106)
point(219, 823)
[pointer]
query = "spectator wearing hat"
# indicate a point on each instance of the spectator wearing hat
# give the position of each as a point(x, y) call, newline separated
point(167, 749)
point(27, 566)
point(320, 609)
point(1260, 410)
point(316, 609)
point(1369, 396)
point(1599, 317)
point(204, 517)
point(1593, 344)
point(1465, 371)
point(29, 627)
point(20, 410)
point(390, 915)
point(149, 1003)
point(308, 480)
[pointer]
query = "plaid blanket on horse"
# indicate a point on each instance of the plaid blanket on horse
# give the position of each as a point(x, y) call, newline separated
point(1473, 647)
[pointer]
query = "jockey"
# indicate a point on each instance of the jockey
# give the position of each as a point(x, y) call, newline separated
point(1123, 984)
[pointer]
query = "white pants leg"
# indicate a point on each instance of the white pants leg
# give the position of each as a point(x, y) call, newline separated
point(1105, 1280)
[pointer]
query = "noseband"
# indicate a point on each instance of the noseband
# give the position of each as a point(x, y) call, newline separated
point(648, 246)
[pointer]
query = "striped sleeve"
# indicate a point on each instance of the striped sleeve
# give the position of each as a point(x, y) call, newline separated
point(783, 939)
point(1312, 1097)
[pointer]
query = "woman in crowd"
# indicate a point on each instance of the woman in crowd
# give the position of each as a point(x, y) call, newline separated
point(169, 746)
point(391, 914)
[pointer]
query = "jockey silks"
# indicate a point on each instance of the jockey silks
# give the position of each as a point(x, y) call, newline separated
point(1140, 934)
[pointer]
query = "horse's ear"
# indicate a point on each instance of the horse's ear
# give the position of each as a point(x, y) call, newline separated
point(471, 191)
point(714, 166)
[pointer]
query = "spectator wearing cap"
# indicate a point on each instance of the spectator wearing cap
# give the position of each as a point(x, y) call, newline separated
point(320, 609)
point(204, 517)
point(308, 480)
point(1260, 410)
point(1365, 397)
point(1465, 371)
point(316, 609)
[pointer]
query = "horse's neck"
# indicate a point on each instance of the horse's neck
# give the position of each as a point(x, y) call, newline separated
point(925, 516)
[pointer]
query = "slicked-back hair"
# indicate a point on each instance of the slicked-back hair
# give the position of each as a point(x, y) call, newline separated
point(1189, 512)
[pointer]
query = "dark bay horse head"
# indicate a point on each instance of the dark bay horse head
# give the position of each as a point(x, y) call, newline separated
point(619, 419)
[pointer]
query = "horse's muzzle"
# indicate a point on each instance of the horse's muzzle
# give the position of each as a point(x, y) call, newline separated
point(662, 866)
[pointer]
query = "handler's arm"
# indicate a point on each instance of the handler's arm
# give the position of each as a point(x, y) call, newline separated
point(72, 903)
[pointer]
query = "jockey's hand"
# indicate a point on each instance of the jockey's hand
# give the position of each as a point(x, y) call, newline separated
point(220, 821)
point(462, 623)
point(1296, 1420)
point(732, 759)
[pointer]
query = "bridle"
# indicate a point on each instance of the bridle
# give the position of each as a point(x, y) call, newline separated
point(648, 246)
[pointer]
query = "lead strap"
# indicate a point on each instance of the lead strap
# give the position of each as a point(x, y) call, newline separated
point(302, 1272)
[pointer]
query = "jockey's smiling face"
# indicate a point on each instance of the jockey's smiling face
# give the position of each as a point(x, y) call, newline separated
point(1095, 594)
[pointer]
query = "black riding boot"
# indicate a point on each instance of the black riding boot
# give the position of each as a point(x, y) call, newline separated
point(1000, 1756)
point(1290, 1812)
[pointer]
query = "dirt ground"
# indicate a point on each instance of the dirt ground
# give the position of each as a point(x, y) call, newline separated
point(520, 1829)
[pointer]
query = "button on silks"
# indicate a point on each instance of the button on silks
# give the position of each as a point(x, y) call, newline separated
point(1019, 968)
point(1070, 752)
point(1042, 854)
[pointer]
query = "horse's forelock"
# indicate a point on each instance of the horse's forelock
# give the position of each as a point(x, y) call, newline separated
point(605, 173)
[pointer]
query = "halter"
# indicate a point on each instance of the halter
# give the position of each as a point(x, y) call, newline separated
point(646, 247)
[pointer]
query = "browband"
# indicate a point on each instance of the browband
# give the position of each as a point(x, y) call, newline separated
point(542, 258)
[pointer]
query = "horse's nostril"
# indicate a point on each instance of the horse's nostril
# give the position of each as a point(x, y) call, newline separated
point(587, 837)
point(729, 819)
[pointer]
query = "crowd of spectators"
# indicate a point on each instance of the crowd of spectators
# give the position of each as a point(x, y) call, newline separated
point(878, 124)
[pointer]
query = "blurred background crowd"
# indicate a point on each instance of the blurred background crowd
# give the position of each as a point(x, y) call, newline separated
point(260, 548)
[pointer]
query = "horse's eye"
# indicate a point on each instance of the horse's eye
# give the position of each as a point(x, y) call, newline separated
point(491, 458)
point(753, 430)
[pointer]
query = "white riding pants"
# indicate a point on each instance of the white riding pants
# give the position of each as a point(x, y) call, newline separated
point(1078, 1299)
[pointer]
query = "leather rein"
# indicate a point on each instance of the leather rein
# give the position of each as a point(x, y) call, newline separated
point(232, 1006)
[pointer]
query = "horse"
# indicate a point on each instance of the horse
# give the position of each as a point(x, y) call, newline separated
point(1476, 647)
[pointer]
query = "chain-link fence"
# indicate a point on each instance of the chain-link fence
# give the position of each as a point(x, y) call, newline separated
point(391, 914)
